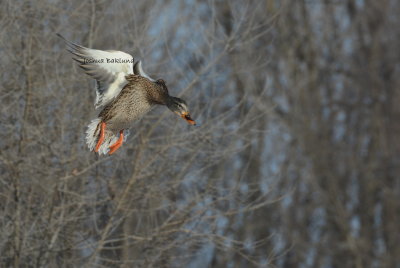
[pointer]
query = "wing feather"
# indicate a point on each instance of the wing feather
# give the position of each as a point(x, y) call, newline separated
point(137, 69)
point(109, 68)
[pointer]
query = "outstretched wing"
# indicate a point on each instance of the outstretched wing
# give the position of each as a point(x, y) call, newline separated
point(137, 69)
point(109, 68)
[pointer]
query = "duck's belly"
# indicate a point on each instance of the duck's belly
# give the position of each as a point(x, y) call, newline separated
point(123, 121)
point(125, 111)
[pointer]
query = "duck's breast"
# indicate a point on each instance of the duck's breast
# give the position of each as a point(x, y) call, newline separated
point(129, 106)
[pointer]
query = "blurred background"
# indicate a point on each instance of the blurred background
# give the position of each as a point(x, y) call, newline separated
point(295, 161)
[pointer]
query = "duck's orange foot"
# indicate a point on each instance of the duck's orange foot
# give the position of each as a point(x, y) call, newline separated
point(101, 136)
point(118, 143)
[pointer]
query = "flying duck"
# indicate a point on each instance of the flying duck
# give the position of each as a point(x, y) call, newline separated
point(124, 92)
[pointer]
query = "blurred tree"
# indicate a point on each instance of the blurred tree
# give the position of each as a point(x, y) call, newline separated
point(294, 164)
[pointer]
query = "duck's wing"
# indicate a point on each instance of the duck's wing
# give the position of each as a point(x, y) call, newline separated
point(109, 68)
point(137, 69)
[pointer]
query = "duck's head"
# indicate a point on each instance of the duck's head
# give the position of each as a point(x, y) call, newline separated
point(175, 104)
point(179, 107)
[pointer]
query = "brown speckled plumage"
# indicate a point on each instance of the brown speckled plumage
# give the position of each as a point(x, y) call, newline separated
point(135, 99)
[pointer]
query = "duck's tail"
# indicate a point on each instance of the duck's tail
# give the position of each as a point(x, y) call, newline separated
point(92, 137)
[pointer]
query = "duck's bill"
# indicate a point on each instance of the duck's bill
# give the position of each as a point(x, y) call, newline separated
point(188, 119)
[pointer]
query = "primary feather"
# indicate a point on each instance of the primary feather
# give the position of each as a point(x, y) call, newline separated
point(109, 68)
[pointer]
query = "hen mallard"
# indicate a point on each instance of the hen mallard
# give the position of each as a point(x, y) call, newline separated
point(124, 92)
